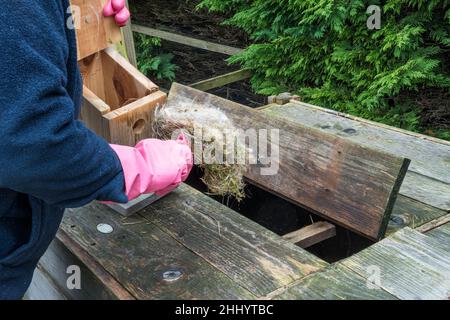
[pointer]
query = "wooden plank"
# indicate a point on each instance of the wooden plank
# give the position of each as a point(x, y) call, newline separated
point(411, 265)
point(43, 288)
point(441, 234)
point(222, 80)
point(189, 41)
point(94, 31)
point(128, 39)
point(334, 283)
point(312, 234)
point(96, 283)
point(349, 184)
point(252, 256)
point(140, 256)
point(411, 213)
point(428, 179)
point(434, 224)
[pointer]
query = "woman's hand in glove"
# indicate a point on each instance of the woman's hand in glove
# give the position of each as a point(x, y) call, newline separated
point(154, 166)
point(119, 10)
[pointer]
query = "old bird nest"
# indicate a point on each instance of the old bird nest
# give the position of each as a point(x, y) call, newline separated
point(215, 142)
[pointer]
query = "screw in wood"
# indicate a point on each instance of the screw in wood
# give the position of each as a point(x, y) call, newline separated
point(105, 228)
point(172, 275)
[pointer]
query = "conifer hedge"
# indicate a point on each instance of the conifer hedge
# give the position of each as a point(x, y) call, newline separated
point(324, 51)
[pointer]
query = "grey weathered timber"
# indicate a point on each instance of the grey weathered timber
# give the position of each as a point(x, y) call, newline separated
point(43, 288)
point(334, 283)
point(408, 212)
point(441, 234)
point(251, 255)
point(144, 259)
point(411, 265)
point(350, 184)
point(189, 41)
point(428, 179)
point(127, 35)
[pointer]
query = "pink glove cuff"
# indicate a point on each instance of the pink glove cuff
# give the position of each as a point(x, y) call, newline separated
point(154, 166)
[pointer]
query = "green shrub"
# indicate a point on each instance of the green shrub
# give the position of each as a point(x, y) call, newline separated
point(152, 61)
point(324, 51)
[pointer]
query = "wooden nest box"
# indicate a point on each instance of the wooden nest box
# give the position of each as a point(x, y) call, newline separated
point(118, 100)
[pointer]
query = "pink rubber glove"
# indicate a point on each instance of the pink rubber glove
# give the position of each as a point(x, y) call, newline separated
point(154, 166)
point(118, 9)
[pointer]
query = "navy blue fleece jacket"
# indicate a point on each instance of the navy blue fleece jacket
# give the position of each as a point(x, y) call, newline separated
point(48, 159)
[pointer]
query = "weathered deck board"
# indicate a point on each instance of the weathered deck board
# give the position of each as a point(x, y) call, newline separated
point(323, 172)
point(441, 234)
point(252, 256)
point(412, 265)
point(411, 213)
point(138, 253)
point(334, 283)
point(43, 288)
point(428, 179)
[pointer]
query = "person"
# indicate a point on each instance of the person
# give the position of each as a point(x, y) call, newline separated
point(49, 160)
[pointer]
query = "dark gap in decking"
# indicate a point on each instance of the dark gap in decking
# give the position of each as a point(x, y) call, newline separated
point(281, 217)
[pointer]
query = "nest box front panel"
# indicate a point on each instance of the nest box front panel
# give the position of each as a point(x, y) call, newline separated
point(94, 31)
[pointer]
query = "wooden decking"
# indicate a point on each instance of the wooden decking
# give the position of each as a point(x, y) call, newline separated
point(187, 246)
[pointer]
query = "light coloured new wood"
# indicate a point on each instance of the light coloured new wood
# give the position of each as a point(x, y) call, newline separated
point(192, 42)
point(428, 178)
point(222, 80)
point(118, 100)
point(408, 264)
point(312, 234)
point(352, 185)
point(94, 31)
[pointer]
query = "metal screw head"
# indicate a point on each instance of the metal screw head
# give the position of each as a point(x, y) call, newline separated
point(105, 228)
point(172, 275)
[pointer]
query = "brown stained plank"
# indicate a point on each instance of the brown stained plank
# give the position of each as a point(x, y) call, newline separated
point(334, 283)
point(312, 234)
point(350, 184)
point(441, 234)
point(138, 253)
point(411, 264)
point(411, 213)
point(252, 256)
point(430, 157)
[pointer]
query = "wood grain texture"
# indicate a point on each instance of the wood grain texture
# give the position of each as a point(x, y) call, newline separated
point(251, 255)
point(428, 178)
point(95, 32)
point(334, 283)
point(441, 234)
point(411, 264)
point(411, 213)
point(42, 287)
point(97, 284)
point(312, 234)
point(138, 253)
point(350, 184)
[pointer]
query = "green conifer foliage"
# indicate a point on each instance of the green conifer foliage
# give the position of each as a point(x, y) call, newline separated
point(324, 51)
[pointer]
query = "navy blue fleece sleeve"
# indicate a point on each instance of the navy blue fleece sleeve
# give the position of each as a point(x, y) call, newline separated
point(44, 150)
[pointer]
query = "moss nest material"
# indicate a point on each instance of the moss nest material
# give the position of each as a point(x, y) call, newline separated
point(216, 144)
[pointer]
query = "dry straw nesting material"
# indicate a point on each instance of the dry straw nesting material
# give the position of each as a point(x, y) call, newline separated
point(217, 144)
